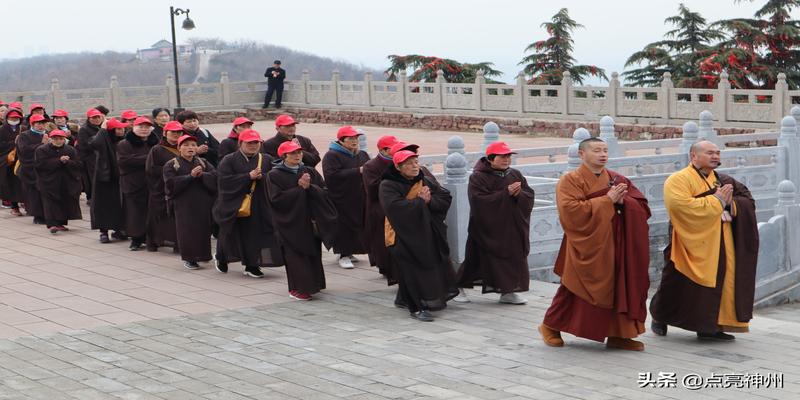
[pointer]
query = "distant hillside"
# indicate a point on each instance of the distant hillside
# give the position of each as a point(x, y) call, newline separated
point(244, 61)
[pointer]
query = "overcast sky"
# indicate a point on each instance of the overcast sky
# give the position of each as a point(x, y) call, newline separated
point(359, 31)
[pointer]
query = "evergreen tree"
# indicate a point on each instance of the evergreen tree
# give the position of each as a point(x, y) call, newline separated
point(425, 68)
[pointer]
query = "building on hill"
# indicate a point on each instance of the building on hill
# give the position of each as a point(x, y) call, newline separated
point(162, 51)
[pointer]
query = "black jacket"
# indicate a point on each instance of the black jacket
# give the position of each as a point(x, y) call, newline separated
point(278, 81)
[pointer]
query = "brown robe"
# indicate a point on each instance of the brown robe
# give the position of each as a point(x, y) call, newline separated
point(160, 222)
point(191, 199)
point(106, 207)
point(374, 216)
point(59, 183)
point(27, 143)
point(250, 240)
point(86, 154)
point(310, 153)
point(131, 158)
point(10, 185)
point(498, 240)
point(341, 170)
point(683, 303)
point(303, 219)
point(604, 258)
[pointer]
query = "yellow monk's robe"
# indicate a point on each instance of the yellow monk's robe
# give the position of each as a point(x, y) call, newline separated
point(699, 284)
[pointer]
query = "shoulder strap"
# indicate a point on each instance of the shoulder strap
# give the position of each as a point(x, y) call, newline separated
point(176, 164)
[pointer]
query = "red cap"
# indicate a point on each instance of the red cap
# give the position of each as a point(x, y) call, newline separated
point(346, 131)
point(288, 147)
point(15, 104)
point(249, 135)
point(114, 123)
point(12, 113)
point(284, 120)
point(129, 114)
point(35, 106)
point(142, 120)
point(241, 121)
point(57, 132)
point(37, 118)
point(174, 126)
point(2, 103)
point(93, 112)
point(185, 138)
point(499, 148)
point(60, 113)
point(403, 146)
point(386, 142)
point(401, 156)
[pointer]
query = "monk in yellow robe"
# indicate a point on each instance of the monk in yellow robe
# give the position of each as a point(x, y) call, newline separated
point(708, 281)
point(604, 256)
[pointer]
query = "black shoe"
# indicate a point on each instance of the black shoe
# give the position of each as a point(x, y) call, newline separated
point(104, 238)
point(658, 328)
point(423, 316)
point(151, 248)
point(135, 246)
point(221, 266)
point(119, 235)
point(38, 221)
point(253, 272)
point(400, 304)
point(719, 336)
point(265, 106)
point(278, 106)
point(191, 265)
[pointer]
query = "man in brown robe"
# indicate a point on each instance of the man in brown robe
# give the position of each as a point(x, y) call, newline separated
point(709, 275)
point(58, 173)
point(498, 240)
point(231, 143)
point(106, 207)
point(247, 237)
point(604, 256)
point(374, 217)
point(87, 132)
point(10, 185)
point(27, 142)
point(160, 222)
point(131, 159)
point(287, 126)
point(304, 218)
point(341, 167)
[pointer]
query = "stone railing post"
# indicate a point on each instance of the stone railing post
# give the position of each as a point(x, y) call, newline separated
point(612, 94)
point(171, 99)
point(335, 86)
point(791, 141)
point(116, 101)
point(225, 87)
point(688, 137)
point(706, 129)
point(795, 111)
point(367, 89)
point(455, 145)
point(306, 77)
point(779, 97)
point(788, 207)
point(456, 181)
point(55, 94)
point(362, 140)
point(477, 94)
point(439, 89)
point(665, 96)
point(608, 135)
point(491, 134)
point(721, 98)
point(573, 158)
point(566, 92)
point(403, 81)
point(521, 94)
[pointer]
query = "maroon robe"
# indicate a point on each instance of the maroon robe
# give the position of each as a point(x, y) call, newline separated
point(191, 200)
point(160, 222)
point(27, 143)
point(341, 170)
point(86, 154)
point(310, 153)
point(131, 158)
point(10, 185)
point(374, 216)
point(59, 183)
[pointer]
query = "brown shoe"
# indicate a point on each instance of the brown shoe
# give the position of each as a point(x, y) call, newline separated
point(551, 337)
point(624, 344)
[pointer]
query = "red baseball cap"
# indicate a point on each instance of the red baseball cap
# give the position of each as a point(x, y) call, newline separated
point(386, 142)
point(37, 118)
point(142, 120)
point(346, 131)
point(241, 121)
point(13, 113)
point(114, 123)
point(401, 156)
point(174, 126)
point(403, 146)
point(499, 148)
point(93, 112)
point(58, 132)
point(249, 135)
point(284, 120)
point(288, 147)
point(35, 106)
point(185, 138)
point(15, 104)
point(128, 114)
point(60, 113)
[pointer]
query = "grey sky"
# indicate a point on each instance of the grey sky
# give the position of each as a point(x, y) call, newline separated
point(358, 31)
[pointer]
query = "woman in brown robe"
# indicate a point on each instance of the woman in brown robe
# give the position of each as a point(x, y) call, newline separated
point(10, 185)
point(161, 117)
point(303, 216)
point(160, 222)
point(131, 157)
point(190, 184)
point(416, 206)
point(58, 173)
point(27, 142)
point(231, 143)
point(87, 132)
point(106, 207)
point(342, 166)
point(374, 217)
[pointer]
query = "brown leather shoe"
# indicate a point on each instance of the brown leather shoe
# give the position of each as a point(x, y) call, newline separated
point(551, 337)
point(624, 344)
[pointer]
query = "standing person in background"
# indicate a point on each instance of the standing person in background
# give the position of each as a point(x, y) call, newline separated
point(275, 76)
point(160, 116)
point(10, 185)
point(61, 121)
point(160, 221)
point(58, 175)
point(374, 217)
point(207, 144)
point(131, 157)
point(27, 143)
point(106, 208)
point(87, 132)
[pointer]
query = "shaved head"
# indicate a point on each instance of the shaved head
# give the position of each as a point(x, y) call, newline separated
point(584, 144)
point(702, 145)
point(705, 155)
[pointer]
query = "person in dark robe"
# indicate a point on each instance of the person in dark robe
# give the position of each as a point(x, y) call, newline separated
point(86, 154)
point(498, 240)
point(58, 178)
point(304, 218)
point(709, 276)
point(161, 116)
point(10, 184)
point(207, 144)
point(128, 117)
point(34, 109)
point(416, 235)
point(231, 143)
point(250, 238)
point(374, 217)
point(341, 167)
point(604, 257)
point(106, 206)
point(190, 184)
point(132, 154)
point(61, 122)
point(287, 128)
point(27, 142)
point(161, 222)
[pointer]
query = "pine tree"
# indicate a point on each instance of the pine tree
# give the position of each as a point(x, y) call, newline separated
point(425, 69)
point(553, 55)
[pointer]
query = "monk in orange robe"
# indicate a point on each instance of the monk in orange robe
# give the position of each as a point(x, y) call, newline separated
point(604, 256)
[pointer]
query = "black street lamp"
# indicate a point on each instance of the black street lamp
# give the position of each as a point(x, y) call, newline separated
point(188, 25)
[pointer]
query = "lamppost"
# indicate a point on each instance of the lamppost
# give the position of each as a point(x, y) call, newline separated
point(188, 24)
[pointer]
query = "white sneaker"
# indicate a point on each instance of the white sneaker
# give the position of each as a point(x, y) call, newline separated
point(354, 259)
point(462, 297)
point(512, 298)
point(345, 263)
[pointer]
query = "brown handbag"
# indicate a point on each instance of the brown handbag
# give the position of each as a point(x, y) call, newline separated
point(244, 209)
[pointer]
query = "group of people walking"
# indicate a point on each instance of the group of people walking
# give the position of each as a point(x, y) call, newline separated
point(159, 182)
